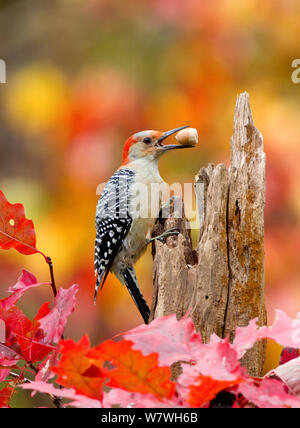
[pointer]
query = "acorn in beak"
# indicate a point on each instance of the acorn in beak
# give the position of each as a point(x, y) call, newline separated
point(172, 146)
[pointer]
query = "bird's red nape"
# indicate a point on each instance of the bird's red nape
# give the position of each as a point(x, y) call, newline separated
point(129, 142)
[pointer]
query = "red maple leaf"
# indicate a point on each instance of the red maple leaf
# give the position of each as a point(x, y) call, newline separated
point(26, 281)
point(16, 231)
point(176, 340)
point(268, 393)
point(134, 371)
point(24, 336)
point(53, 323)
point(43, 311)
point(73, 369)
point(44, 373)
point(284, 330)
point(32, 339)
point(206, 388)
point(86, 369)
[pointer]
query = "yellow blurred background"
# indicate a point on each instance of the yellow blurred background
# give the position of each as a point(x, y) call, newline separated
point(83, 75)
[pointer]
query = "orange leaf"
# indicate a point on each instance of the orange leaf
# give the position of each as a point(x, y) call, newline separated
point(132, 370)
point(207, 388)
point(74, 369)
point(15, 230)
point(86, 369)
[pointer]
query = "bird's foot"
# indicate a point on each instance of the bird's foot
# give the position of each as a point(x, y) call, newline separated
point(164, 235)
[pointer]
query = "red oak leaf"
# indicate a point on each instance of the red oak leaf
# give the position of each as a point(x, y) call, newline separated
point(285, 331)
point(134, 371)
point(24, 336)
point(86, 369)
point(120, 397)
point(216, 359)
point(73, 365)
point(268, 393)
point(176, 340)
point(43, 311)
point(45, 373)
point(15, 230)
point(53, 323)
point(26, 281)
point(206, 388)
point(32, 339)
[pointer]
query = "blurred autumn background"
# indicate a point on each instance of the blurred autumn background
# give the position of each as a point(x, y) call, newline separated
point(83, 75)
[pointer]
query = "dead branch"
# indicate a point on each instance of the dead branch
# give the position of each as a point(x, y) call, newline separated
point(222, 280)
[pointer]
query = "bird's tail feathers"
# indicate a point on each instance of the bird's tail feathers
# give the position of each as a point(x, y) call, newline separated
point(136, 295)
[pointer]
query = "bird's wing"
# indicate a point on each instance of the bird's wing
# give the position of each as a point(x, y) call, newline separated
point(112, 222)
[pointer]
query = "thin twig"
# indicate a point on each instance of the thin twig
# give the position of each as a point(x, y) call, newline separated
point(25, 379)
point(57, 401)
point(53, 285)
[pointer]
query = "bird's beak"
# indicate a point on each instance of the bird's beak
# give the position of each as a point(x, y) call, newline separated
point(171, 146)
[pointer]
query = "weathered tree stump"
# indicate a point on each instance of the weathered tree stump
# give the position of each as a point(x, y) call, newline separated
point(222, 280)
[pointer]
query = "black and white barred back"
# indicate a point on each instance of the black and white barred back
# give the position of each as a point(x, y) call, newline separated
point(112, 222)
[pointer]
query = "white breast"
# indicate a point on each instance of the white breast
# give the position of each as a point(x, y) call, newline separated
point(145, 203)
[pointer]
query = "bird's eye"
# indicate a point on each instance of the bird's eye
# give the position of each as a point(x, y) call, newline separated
point(147, 140)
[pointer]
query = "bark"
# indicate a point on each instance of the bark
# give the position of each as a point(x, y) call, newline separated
point(222, 280)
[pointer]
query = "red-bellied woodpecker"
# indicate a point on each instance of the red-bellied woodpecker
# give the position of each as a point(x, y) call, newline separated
point(122, 238)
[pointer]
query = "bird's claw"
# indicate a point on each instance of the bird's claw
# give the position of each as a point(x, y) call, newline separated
point(164, 235)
